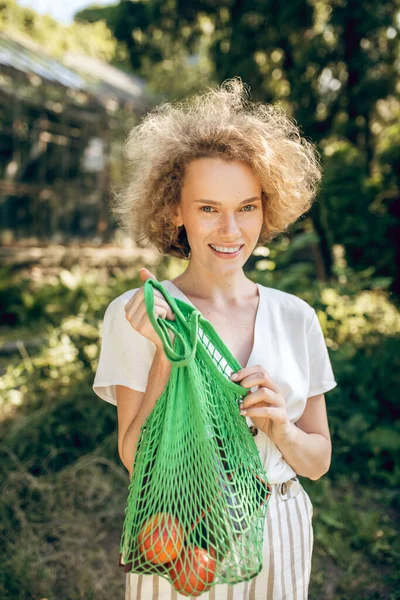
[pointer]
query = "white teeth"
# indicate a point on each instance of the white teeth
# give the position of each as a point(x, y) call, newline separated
point(226, 250)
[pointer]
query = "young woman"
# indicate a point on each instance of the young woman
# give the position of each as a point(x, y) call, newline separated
point(212, 179)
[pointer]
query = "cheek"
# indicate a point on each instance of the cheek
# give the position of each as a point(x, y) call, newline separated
point(201, 226)
point(255, 223)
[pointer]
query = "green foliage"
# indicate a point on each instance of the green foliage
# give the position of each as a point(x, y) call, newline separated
point(338, 81)
point(348, 199)
point(364, 414)
point(62, 477)
point(309, 56)
point(388, 153)
point(356, 543)
point(93, 39)
point(60, 530)
point(24, 301)
point(45, 390)
point(174, 66)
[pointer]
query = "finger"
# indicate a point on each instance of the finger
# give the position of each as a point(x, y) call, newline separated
point(163, 309)
point(137, 316)
point(247, 371)
point(135, 301)
point(138, 298)
point(162, 302)
point(273, 413)
point(146, 274)
point(133, 306)
point(260, 411)
point(263, 395)
point(255, 375)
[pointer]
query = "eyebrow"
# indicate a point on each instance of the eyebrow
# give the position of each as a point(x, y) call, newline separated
point(202, 201)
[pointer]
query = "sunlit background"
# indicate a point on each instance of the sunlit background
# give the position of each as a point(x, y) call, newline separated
point(74, 78)
point(63, 12)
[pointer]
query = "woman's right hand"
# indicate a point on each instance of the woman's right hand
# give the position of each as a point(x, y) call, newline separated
point(136, 313)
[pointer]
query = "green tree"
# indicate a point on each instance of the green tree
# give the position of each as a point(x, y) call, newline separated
point(328, 63)
point(93, 39)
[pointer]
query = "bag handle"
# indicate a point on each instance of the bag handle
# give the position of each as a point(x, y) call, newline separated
point(162, 325)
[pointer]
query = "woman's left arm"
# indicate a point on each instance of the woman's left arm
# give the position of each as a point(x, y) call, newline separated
point(306, 446)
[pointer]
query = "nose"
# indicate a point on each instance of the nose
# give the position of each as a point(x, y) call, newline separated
point(229, 229)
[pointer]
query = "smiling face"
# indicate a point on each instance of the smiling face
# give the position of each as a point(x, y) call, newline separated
point(220, 205)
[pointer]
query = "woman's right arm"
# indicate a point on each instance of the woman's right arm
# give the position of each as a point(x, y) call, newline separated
point(133, 407)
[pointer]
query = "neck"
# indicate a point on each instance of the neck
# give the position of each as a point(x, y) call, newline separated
point(219, 291)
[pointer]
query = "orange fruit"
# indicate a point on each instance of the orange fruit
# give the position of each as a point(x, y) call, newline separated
point(161, 538)
point(193, 571)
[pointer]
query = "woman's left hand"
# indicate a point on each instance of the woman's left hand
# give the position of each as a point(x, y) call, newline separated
point(266, 406)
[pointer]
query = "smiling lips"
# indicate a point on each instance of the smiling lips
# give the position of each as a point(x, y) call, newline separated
point(226, 251)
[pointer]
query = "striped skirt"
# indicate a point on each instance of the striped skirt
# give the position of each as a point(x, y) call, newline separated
point(287, 553)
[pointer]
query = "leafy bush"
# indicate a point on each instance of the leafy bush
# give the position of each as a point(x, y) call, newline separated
point(64, 485)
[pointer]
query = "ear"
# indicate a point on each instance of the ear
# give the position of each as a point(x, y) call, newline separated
point(177, 219)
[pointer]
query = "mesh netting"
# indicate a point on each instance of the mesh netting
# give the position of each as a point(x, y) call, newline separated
point(198, 494)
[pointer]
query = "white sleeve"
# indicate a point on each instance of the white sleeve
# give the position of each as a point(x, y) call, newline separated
point(322, 378)
point(126, 356)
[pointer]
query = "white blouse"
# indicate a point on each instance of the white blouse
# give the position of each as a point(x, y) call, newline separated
point(288, 342)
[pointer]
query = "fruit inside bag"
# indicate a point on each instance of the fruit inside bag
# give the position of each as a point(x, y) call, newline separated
point(191, 555)
point(198, 494)
point(241, 504)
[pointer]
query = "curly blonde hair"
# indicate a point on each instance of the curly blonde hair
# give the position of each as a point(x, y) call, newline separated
point(219, 122)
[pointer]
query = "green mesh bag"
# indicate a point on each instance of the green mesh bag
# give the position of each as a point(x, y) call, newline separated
point(198, 494)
